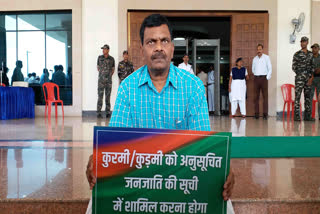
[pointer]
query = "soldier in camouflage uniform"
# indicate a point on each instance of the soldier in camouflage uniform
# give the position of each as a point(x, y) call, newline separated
point(302, 65)
point(316, 75)
point(125, 67)
point(105, 65)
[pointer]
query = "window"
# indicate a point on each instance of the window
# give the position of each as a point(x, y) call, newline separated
point(41, 40)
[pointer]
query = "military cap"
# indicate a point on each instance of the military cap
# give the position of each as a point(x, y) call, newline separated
point(304, 39)
point(105, 47)
point(315, 45)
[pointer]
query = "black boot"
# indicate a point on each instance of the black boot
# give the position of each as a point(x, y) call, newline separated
point(309, 119)
point(108, 114)
point(297, 118)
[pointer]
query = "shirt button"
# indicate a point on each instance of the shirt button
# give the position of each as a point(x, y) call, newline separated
point(159, 118)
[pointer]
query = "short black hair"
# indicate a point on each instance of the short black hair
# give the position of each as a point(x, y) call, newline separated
point(154, 20)
point(56, 67)
point(125, 52)
point(185, 55)
point(239, 59)
point(260, 45)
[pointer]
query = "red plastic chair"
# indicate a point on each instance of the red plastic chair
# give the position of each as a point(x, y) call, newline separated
point(2, 84)
point(48, 91)
point(314, 102)
point(286, 90)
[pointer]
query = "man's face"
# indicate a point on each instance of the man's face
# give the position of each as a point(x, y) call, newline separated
point(125, 57)
point(105, 51)
point(304, 44)
point(315, 50)
point(259, 50)
point(157, 49)
point(240, 63)
point(185, 59)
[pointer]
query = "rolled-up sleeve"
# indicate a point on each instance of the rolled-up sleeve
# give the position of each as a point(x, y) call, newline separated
point(269, 67)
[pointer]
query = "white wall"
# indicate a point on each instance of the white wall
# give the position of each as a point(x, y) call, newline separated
point(315, 21)
point(99, 27)
point(287, 10)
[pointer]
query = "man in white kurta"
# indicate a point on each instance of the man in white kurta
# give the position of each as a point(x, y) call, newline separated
point(185, 65)
point(211, 90)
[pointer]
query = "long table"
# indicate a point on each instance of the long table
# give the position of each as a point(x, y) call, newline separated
point(16, 103)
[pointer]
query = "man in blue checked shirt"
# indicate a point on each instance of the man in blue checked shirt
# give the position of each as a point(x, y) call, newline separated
point(160, 95)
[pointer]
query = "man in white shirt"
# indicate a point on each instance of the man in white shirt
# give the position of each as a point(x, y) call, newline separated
point(185, 65)
point(262, 70)
point(211, 90)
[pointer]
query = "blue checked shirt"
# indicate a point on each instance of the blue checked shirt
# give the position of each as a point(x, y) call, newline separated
point(180, 105)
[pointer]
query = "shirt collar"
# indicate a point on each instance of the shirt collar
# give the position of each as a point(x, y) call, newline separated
point(261, 56)
point(172, 77)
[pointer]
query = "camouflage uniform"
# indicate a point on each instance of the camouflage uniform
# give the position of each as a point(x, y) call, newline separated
point(302, 65)
point(125, 69)
point(316, 81)
point(105, 66)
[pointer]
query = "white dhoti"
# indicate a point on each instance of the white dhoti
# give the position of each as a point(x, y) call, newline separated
point(211, 96)
point(238, 96)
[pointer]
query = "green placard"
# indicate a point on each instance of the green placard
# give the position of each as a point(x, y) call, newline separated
point(160, 171)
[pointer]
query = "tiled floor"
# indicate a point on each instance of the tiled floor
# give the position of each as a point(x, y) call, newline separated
point(81, 129)
point(45, 161)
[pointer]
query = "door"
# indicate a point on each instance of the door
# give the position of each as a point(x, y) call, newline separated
point(207, 51)
point(248, 30)
point(134, 22)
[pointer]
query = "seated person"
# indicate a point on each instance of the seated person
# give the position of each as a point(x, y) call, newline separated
point(69, 77)
point(44, 77)
point(58, 76)
point(17, 74)
point(5, 79)
point(32, 79)
point(160, 78)
point(28, 77)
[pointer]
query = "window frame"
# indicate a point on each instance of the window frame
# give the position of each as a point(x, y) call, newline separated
point(45, 13)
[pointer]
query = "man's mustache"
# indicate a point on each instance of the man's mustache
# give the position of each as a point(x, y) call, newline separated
point(158, 55)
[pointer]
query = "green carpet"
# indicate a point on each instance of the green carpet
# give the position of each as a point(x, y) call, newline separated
point(275, 147)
